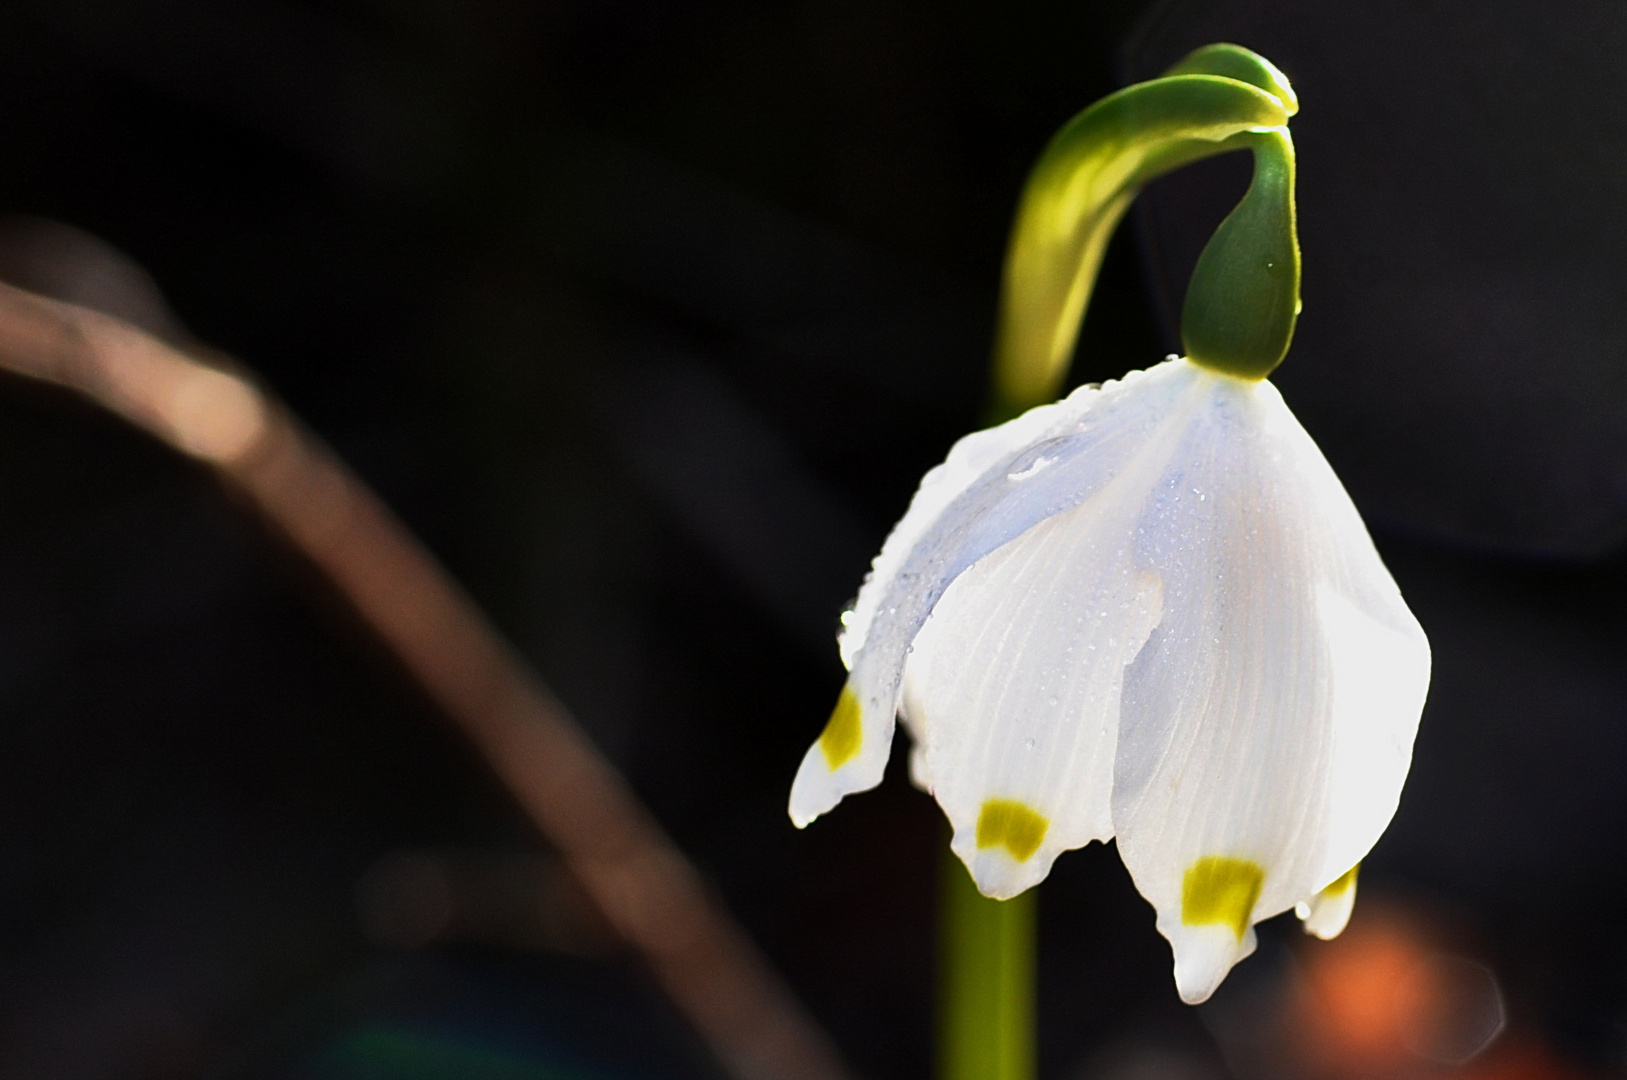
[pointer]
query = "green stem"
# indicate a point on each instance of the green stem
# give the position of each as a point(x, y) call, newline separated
point(986, 1024)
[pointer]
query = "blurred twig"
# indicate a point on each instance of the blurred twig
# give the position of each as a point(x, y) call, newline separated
point(649, 892)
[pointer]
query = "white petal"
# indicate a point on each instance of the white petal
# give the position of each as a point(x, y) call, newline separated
point(919, 776)
point(1326, 914)
point(1203, 956)
point(1014, 681)
point(995, 486)
point(1267, 725)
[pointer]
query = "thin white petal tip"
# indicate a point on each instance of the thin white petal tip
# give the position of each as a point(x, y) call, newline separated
point(811, 792)
point(1326, 914)
point(1204, 955)
point(843, 760)
point(816, 790)
point(1004, 850)
point(1001, 877)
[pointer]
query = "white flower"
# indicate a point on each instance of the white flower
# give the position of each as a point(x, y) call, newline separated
point(1150, 612)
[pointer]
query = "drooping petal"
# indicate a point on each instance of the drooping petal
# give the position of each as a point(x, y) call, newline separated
point(1013, 689)
point(1326, 914)
point(995, 486)
point(1267, 725)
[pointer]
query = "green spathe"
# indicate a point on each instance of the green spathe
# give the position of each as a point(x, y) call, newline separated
point(1243, 300)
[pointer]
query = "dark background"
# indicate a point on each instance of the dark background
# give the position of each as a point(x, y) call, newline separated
point(647, 315)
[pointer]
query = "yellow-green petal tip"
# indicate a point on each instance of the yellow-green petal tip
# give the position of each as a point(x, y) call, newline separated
point(1343, 883)
point(844, 733)
point(1009, 824)
point(1219, 890)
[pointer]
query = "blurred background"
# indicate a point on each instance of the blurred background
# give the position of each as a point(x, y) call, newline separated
point(647, 315)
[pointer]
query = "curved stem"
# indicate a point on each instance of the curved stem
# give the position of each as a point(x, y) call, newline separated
point(1077, 194)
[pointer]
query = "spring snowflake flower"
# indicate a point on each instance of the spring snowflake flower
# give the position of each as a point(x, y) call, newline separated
point(1147, 612)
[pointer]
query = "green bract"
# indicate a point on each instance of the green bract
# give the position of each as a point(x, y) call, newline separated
point(1245, 293)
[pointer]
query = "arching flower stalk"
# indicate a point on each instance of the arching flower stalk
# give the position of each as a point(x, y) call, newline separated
point(1148, 611)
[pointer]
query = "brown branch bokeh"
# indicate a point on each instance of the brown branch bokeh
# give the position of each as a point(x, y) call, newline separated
point(647, 889)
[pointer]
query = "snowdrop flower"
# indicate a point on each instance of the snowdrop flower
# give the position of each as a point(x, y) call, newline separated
point(1147, 612)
